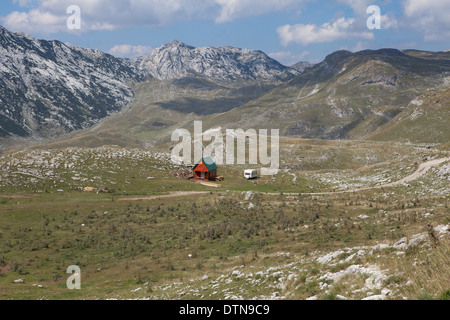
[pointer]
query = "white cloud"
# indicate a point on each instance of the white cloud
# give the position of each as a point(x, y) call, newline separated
point(359, 6)
point(129, 51)
point(414, 7)
point(306, 34)
point(388, 21)
point(288, 58)
point(50, 16)
point(116, 14)
point(234, 9)
point(431, 17)
point(34, 20)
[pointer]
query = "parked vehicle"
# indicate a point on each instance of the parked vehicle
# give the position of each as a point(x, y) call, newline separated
point(250, 174)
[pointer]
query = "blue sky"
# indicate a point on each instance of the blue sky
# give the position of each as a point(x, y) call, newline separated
point(288, 30)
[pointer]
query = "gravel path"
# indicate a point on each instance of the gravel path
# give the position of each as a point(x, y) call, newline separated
point(423, 168)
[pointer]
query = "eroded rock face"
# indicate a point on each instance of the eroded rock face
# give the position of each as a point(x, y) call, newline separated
point(224, 64)
point(48, 88)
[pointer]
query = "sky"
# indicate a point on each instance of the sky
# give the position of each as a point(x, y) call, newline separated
point(287, 30)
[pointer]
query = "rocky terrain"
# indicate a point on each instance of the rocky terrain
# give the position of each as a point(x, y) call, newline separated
point(347, 96)
point(76, 169)
point(48, 88)
point(139, 229)
point(359, 209)
point(321, 272)
point(224, 64)
point(301, 66)
point(425, 119)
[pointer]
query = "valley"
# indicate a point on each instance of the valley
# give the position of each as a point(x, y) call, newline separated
point(139, 233)
point(359, 208)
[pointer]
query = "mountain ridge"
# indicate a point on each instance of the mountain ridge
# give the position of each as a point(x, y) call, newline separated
point(48, 88)
point(224, 64)
point(346, 96)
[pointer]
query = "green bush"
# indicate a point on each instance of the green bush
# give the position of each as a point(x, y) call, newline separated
point(445, 295)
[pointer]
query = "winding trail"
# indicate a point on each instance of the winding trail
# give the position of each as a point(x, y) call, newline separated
point(170, 195)
point(422, 170)
point(18, 196)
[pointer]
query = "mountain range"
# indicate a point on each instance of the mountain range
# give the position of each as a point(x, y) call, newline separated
point(224, 64)
point(48, 89)
point(348, 95)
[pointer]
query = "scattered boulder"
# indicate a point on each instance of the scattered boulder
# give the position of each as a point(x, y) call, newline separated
point(249, 195)
point(375, 297)
point(182, 174)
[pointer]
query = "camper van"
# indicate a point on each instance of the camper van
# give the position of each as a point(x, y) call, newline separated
point(250, 174)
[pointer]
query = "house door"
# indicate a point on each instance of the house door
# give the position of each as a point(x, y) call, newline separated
point(202, 176)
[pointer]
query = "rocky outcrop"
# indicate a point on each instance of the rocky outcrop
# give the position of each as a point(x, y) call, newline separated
point(48, 88)
point(224, 64)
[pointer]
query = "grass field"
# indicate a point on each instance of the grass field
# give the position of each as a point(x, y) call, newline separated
point(243, 240)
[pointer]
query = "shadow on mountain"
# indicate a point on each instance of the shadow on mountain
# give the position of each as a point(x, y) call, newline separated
point(203, 107)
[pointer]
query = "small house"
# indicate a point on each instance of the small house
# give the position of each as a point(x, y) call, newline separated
point(206, 169)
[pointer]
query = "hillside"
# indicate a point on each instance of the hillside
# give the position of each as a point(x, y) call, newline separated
point(301, 66)
point(159, 108)
point(425, 120)
point(347, 96)
point(309, 232)
point(48, 88)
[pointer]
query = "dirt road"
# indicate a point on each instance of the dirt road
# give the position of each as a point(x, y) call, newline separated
point(18, 196)
point(170, 195)
point(423, 168)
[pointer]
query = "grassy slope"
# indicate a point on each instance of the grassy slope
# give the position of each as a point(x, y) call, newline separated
point(125, 245)
point(340, 106)
point(427, 122)
point(158, 109)
point(347, 96)
point(159, 245)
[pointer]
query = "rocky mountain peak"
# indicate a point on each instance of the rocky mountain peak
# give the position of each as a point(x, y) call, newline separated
point(176, 44)
point(48, 88)
point(302, 65)
point(177, 60)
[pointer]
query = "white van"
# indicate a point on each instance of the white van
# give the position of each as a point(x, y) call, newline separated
point(250, 174)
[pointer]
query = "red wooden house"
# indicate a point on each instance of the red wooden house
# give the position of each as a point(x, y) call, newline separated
point(206, 169)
